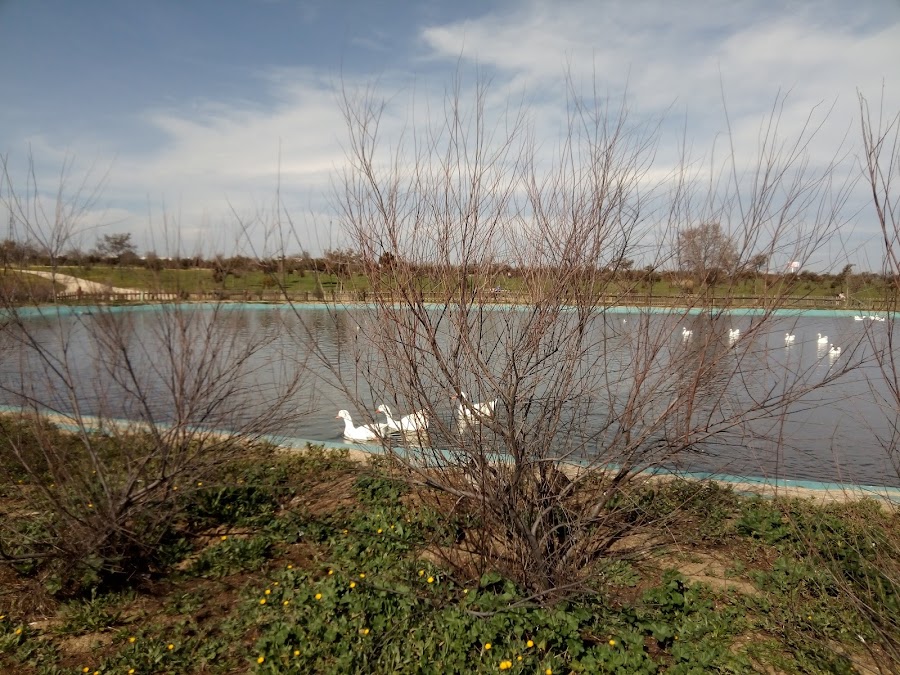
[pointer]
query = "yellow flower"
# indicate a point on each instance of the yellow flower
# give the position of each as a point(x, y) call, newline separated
point(330, 572)
point(519, 657)
point(318, 596)
point(261, 659)
point(199, 483)
point(275, 584)
point(131, 671)
point(352, 584)
point(487, 646)
point(296, 652)
point(2, 616)
point(170, 646)
point(286, 603)
point(268, 591)
point(421, 573)
point(85, 670)
point(96, 672)
point(18, 631)
point(262, 601)
point(224, 537)
point(529, 644)
point(505, 665)
point(90, 506)
point(612, 643)
point(174, 487)
point(392, 527)
point(380, 530)
point(346, 531)
point(430, 580)
point(465, 591)
point(290, 567)
point(365, 631)
point(132, 639)
point(362, 576)
point(549, 671)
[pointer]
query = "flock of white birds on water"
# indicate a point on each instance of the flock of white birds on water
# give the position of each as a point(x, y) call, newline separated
point(734, 335)
point(467, 413)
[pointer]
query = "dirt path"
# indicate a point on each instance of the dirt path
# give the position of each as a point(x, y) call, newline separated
point(72, 284)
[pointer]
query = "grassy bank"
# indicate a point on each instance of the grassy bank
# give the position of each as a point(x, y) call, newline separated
point(311, 562)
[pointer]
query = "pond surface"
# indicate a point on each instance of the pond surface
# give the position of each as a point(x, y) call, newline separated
point(235, 366)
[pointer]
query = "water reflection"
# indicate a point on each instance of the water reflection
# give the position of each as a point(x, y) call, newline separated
point(644, 380)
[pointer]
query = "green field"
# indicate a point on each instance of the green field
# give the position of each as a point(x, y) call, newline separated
point(312, 563)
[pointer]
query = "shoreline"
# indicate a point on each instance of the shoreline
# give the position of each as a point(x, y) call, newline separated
point(819, 492)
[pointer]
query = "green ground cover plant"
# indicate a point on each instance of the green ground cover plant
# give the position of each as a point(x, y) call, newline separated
point(310, 562)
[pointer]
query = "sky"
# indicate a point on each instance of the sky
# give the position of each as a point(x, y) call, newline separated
point(180, 122)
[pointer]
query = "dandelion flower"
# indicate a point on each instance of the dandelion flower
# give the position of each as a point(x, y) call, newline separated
point(430, 580)
point(290, 567)
point(318, 596)
point(276, 583)
point(529, 644)
point(2, 616)
point(505, 665)
point(262, 601)
point(362, 576)
point(170, 646)
point(85, 670)
point(199, 483)
point(352, 584)
point(90, 505)
point(132, 639)
point(131, 671)
point(330, 572)
point(296, 652)
point(487, 646)
point(392, 527)
point(261, 659)
point(612, 643)
point(465, 591)
point(549, 671)
point(18, 631)
point(268, 591)
point(365, 631)
point(421, 573)
point(380, 530)
point(224, 537)
point(286, 603)
point(346, 531)
point(519, 657)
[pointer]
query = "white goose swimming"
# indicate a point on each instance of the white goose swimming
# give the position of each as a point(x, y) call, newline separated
point(734, 334)
point(822, 339)
point(368, 432)
point(417, 421)
point(834, 351)
point(685, 333)
point(470, 412)
point(789, 338)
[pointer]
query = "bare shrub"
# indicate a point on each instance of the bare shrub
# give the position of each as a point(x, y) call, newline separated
point(582, 402)
point(118, 416)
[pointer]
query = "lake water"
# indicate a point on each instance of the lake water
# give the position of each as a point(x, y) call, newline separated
point(261, 361)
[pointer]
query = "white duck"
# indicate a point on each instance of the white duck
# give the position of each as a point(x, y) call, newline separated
point(368, 432)
point(834, 351)
point(685, 333)
point(822, 339)
point(789, 338)
point(417, 421)
point(734, 334)
point(470, 412)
